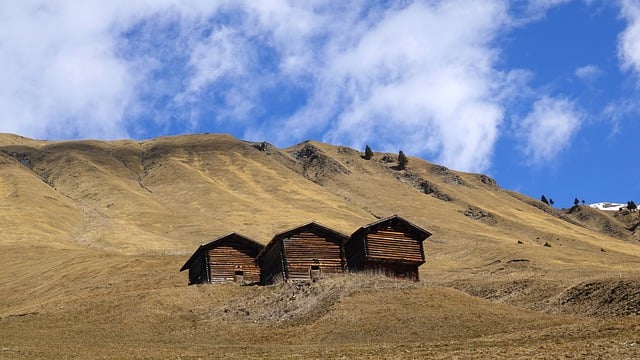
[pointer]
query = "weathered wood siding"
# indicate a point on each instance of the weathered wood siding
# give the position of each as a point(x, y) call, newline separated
point(390, 247)
point(230, 258)
point(302, 254)
point(305, 250)
point(232, 263)
point(391, 244)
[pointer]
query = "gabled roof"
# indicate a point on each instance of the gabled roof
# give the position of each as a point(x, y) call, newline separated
point(298, 229)
point(422, 233)
point(233, 236)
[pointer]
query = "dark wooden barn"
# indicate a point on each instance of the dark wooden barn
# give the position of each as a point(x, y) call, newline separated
point(303, 253)
point(230, 258)
point(390, 246)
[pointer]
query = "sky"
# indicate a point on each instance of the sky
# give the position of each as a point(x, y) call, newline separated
point(544, 96)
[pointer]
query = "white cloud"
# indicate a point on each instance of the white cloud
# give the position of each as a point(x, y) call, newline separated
point(549, 128)
point(527, 11)
point(629, 39)
point(420, 76)
point(409, 78)
point(620, 110)
point(221, 58)
point(588, 73)
point(429, 87)
point(56, 68)
point(61, 70)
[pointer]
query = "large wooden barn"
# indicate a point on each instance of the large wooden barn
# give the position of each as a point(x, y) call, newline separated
point(303, 253)
point(229, 258)
point(390, 246)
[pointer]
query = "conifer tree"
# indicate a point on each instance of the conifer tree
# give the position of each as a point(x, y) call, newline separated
point(544, 199)
point(631, 205)
point(368, 154)
point(402, 160)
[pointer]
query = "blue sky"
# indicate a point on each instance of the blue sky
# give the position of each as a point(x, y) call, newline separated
point(541, 95)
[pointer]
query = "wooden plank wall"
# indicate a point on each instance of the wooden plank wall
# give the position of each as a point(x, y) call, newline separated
point(304, 249)
point(225, 260)
point(392, 244)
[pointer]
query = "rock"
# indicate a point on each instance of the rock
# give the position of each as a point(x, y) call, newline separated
point(478, 214)
point(316, 165)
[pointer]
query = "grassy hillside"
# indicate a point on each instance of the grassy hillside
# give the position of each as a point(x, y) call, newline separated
point(94, 234)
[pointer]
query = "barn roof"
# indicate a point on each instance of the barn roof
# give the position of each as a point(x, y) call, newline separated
point(422, 233)
point(297, 229)
point(233, 236)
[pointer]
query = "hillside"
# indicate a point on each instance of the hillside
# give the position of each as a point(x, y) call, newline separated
point(95, 233)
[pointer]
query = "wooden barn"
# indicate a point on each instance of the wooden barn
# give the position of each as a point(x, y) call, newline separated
point(230, 258)
point(390, 246)
point(304, 253)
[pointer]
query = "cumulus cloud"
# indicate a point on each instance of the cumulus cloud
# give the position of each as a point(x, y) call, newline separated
point(429, 88)
point(419, 76)
point(409, 77)
point(549, 128)
point(629, 39)
point(57, 67)
point(62, 73)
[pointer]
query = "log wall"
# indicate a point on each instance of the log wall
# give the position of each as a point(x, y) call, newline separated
point(390, 244)
point(305, 250)
point(232, 263)
point(391, 247)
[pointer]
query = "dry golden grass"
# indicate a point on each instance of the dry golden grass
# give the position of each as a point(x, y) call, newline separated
point(94, 234)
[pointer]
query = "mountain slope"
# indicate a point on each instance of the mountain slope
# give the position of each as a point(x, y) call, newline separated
point(477, 222)
point(94, 234)
point(167, 195)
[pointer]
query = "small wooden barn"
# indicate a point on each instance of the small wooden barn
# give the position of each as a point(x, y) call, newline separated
point(229, 258)
point(390, 246)
point(302, 254)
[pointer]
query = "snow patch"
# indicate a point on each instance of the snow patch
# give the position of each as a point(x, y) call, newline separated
point(608, 206)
